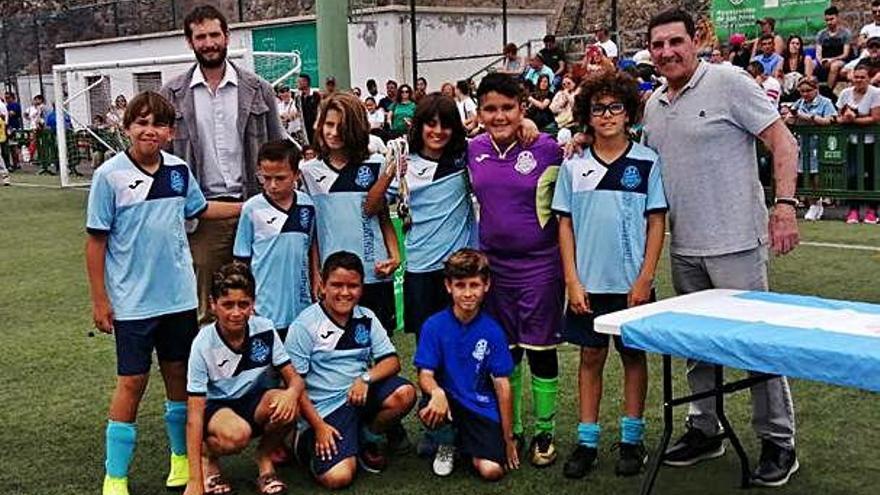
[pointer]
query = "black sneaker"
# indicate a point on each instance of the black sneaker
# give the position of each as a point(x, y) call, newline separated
point(542, 452)
point(372, 458)
point(776, 466)
point(580, 462)
point(694, 446)
point(633, 457)
point(398, 440)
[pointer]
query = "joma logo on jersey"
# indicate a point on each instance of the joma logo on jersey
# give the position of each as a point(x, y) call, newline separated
point(135, 184)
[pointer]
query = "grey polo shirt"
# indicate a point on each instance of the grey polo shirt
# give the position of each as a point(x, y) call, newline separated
point(706, 137)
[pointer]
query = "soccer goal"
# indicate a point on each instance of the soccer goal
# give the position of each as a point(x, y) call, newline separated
point(87, 130)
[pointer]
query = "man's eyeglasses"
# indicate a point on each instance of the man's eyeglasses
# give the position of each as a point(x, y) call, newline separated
point(598, 109)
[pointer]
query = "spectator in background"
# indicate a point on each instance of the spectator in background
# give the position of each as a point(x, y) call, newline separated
point(833, 46)
point(329, 87)
point(538, 68)
point(770, 61)
point(795, 66)
point(511, 65)
point(554, 57)
point(421, 89)
point(717, 57)
point(738, 54)
point(15, 123)
point(35, 115)
point(608, 46)
point(116, 113)
point(448, 89)
point(357, 92)
point(768, 26)
point(308, 101)
point(4, 118)
point(372, 90)
point(375, 115)
point(811, 109)
point(390, 95)
point(402, 111)
point(538, 103)
point(770, 84)
point(872, 29)
point(290, 115)
point(467, 107)
point(594, 62)
point(706, 39)
point(859, 105)
point(562, 105)
point(870, 57)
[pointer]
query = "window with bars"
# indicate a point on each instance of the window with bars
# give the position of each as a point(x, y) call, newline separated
point(147, 81)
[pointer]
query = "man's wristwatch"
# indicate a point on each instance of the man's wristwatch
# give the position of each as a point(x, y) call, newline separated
point(787, 201)
point(366, 378)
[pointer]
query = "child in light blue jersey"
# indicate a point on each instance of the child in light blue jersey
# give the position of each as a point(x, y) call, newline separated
point(350, 367)
point(143, 287)
point(276, 236)
point(228, 401)
point(338, 182)
point(611, 205)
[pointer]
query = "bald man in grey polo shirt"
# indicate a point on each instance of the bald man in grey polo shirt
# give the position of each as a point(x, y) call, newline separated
point(704, 123)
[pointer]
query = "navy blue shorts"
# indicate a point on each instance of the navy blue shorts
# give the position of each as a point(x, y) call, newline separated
point(476, 436)
point(347, 419)
point(424, 294)
point(245, 407)
point(171, 335)
point(379, 297)
point(579, 329)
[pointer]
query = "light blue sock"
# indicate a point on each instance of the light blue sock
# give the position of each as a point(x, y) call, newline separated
point(121, 439)
point(588, 434)
point(632, 430)
point(175, 426)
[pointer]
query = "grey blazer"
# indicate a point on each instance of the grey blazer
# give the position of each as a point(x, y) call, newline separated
point(258, 122)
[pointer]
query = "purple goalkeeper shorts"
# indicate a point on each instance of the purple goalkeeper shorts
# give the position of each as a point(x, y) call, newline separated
point(531, 315)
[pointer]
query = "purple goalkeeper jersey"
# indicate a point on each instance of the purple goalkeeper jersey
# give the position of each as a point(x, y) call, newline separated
point(514, 187)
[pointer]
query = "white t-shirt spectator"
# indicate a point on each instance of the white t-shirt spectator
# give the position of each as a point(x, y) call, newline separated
point(288, 108)
point(773, 89)
point(466, 108)
point(870, 31)
point(376, 145)
point(377, 118)
point(610, 48)
point(863, 107)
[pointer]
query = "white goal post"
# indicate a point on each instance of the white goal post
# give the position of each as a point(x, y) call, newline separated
point(93, 76)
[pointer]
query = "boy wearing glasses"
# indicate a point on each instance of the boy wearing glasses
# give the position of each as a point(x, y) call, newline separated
point(611, 208)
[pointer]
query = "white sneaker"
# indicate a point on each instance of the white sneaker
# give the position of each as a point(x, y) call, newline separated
point(811, 213)
point(444, 460)
point(6, 181)
point(820, 210)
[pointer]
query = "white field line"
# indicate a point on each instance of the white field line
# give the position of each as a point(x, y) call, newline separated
point(854, 247)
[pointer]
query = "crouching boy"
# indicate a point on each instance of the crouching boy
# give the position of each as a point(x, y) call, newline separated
point(353, 393)
point(464, 364)
point(229, 401)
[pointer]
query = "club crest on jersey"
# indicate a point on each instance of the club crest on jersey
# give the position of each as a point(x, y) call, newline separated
point(525, 162)
point(361, 334)
point(480, 349)
point(305, 218)
point(631, 177)
point(259, 352)
point(364, 177)
point(176, 181)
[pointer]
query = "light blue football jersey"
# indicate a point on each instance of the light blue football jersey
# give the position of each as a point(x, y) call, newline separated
point(441, 211)
point(148, 268)
point(330, 357)
point(222, 373)
point(277, 242)
point(609, 204)
point(339, 200)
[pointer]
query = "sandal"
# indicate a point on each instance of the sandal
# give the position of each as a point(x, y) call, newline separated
point(216, 484)
point(270, 484)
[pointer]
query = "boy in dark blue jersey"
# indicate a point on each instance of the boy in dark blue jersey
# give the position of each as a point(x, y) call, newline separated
point(142, 283)
point(464, 364)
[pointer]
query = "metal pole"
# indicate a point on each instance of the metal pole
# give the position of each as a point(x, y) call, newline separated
point(61, 131)
point(116, 17)
point(412, 33)
point(173, 14)
point(39, 55)
point(332, 36)
point(240, 10)
point(614, 34)
point(504, 22)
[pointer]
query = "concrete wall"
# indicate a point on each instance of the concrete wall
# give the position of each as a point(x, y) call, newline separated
point(380, 43)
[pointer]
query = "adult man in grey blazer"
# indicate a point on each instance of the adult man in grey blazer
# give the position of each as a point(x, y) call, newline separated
point(224, 114)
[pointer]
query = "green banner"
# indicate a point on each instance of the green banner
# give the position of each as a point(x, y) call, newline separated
point(301, 37)
point(802, 17)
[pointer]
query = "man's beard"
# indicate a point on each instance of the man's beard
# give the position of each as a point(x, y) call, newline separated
point(211, 63)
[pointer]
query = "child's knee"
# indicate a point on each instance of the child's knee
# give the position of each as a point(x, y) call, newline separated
point(339, 476)
point(488, 470)
point(402, 399)
point(593, 357)
point(234, 438)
